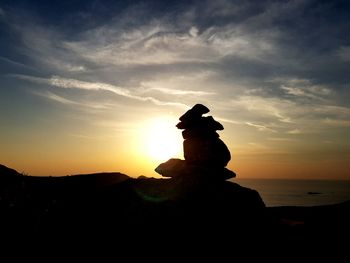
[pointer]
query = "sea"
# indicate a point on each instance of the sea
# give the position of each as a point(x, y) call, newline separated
point(287, 192)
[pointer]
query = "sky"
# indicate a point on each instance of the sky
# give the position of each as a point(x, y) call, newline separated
point(91, 86)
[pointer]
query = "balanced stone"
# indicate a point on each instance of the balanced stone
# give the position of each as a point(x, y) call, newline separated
point(199, 133)
point(206, 152)
point(177, 168)
point(196, 112)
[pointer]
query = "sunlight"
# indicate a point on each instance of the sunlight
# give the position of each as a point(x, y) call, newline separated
point(163, 139)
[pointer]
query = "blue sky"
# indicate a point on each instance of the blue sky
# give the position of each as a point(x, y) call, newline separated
point(90, 73)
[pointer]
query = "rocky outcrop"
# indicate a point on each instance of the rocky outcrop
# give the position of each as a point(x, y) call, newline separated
point(177, 213)
point(113, 204)
point(179, 168)
point(8, 172)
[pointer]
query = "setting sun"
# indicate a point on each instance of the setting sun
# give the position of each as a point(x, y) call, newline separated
point(163, 140)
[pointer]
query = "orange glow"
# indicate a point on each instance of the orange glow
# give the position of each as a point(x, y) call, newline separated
point(162, 140)
point(148, 142)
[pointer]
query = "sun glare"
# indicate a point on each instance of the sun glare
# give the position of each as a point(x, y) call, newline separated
point(163, 140)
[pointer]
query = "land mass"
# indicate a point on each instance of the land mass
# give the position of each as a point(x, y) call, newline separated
point(114, 205)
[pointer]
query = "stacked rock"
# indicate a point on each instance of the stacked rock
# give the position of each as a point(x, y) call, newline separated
point(202, 146)
point(204, 152)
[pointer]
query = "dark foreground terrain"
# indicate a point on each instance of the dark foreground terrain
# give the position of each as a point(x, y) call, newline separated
point(159, 212)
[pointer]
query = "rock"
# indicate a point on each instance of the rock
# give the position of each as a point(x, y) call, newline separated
point(5, 171)
point(206, 152)
point(184, 125)
point(227, 174)
point(203, 127)
point(195, 113)
point(172, 168)
point(192, 117)
point(203, 123)
point(176, 168)
point(198, 133)
point(208, 123)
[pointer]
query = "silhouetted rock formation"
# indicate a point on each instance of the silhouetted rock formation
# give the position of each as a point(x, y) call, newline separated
point(114, 204)
point(5, 171)
point(177, 214)
point(204, 152)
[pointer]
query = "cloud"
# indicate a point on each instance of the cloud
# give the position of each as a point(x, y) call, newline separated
point(294, 131)
point(274, 107)
point(182, 92)
point(260, 127)
point(228, 120)
point(193, 31)
point(337, 123)
point(244, 60)
point(72, 83)
point(282, 113)
point(59, 82)
point(333, 111)
point(77, 84)
point(45, 47)
point(294, 91)
point(151, 44)
point(57, 98)
point(344, 53)
point(180, 85)
point(306, 89)
point(65, 101)
point(17, 64)
point(158, 42)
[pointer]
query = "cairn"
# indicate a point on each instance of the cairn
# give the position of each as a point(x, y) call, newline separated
point(205, 154)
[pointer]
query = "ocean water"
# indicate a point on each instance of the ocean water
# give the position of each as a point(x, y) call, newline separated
point(280, 192)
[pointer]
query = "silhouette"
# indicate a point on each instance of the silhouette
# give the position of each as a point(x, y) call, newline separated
point(195, 206)
point(205, 154)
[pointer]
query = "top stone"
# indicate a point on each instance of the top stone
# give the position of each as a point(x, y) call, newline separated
point(195, 113)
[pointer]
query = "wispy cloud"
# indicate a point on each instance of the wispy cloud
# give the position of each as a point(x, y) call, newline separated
point(77, 84)
point(294, 131)
point(337, 123)
point(17, 64)
point(294, 91)
point(313, 92)
point(228, 120)
point(344, 53)
point(154, 43)
point(59, 82)
point(274, 107)
point(334, 110)
point(283, 113)
point(182, 92)
point(57, 98)
point(250, 68)
point(260, 127)
point(62, 100)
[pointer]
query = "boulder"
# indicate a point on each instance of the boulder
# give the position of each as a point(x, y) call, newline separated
point(176, 168)
point(199, 133)
point(206, 152)
point(195, 113)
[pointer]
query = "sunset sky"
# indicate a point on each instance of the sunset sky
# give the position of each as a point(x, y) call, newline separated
point(91, 86)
